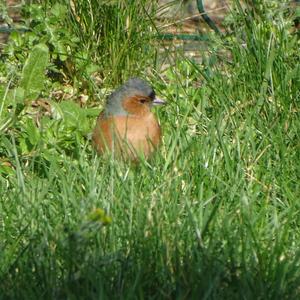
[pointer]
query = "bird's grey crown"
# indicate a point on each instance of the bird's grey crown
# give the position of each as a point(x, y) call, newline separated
point(132, 87)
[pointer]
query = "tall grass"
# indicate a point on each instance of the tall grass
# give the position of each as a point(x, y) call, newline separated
point(115, 35)
point(213, 215)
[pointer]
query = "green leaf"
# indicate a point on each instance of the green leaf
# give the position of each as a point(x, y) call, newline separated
point(33, 73)
point(92, 112)
point(6, 169)
point(59, 10)
point(61, 50)
point(92, 68)
point(32, 132)
point(12, 105)
point(15, 96)
point(74, 116)
point(23, 145)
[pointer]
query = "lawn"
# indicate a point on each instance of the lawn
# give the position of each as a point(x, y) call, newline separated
point(214, 214)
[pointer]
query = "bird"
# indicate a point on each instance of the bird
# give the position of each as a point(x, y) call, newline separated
point(127, 127)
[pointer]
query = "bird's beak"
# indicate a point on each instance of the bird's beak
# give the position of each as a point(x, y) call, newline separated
point(158, 101)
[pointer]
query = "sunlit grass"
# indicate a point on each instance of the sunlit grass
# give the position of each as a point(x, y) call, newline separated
point(213, 215)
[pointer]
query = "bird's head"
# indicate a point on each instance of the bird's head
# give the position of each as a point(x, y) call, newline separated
point(134, 97)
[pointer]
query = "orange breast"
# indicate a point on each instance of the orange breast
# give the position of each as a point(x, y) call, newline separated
point(127, 136)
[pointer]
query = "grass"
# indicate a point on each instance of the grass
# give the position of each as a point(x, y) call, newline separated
point(213, 215)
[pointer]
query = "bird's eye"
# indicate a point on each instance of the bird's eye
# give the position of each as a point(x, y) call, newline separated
point(143, 101)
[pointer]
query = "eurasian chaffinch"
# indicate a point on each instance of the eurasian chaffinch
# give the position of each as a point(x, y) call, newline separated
point(127, 126)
